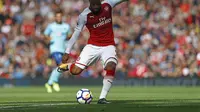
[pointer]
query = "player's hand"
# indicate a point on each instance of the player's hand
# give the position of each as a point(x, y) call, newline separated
point(65, 58)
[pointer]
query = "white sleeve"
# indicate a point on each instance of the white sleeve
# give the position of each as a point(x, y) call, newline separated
point(80, 25)
point(113, 3)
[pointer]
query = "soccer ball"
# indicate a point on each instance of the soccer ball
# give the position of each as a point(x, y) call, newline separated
point(84, 96)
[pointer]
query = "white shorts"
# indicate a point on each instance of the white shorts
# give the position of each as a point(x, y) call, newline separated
point(91, 54)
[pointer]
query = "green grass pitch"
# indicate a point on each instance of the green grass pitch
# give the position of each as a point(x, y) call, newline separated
point(124, 99)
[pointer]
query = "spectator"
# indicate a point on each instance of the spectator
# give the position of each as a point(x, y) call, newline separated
point(153, 37)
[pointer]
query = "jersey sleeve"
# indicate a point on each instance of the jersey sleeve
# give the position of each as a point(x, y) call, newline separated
point(48, 30)
point(113, 3)
point(80, 25)
point(81, 22)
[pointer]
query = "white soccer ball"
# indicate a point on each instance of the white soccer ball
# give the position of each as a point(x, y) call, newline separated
point(84, 96)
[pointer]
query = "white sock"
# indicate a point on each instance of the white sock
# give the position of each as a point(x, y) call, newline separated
point(107, 83)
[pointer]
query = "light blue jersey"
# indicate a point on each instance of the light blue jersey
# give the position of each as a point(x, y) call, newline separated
point(58, 34)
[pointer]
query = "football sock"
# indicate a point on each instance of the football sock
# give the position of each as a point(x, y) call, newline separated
point(54, 76)
point(107, 83)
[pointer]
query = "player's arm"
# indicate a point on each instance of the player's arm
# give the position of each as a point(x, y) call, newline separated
point(113, 3)
point(69, 33)
point(47, 33)
point(80, 24)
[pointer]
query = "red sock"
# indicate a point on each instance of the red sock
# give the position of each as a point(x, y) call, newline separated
point(110, 73)
point(71, 67)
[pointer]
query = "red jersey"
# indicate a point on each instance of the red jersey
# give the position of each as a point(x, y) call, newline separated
point(99, 26)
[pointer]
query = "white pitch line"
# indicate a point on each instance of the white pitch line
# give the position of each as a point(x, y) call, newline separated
point(56, 104)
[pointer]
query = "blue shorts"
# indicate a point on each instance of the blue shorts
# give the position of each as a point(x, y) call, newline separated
point(57, 56)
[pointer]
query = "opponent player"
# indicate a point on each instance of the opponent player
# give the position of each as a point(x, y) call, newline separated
point(57, 33)
point(98, 19)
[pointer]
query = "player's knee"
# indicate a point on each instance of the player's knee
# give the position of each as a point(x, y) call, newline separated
point(110, 69)
point(75, 70)
point(110, 66)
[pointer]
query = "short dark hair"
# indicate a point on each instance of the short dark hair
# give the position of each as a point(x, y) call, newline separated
point(93, 0)
point(59, 11)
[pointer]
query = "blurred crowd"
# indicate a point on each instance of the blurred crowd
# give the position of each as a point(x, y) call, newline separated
point(154, 38)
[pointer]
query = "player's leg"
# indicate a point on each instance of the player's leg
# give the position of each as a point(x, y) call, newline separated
point(107, 82)
point(54, 77)
point(109, 59)
point(87, 56)
point(75, 69)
